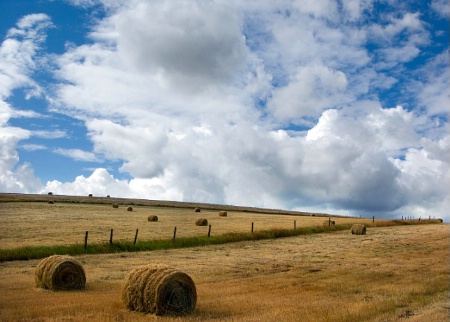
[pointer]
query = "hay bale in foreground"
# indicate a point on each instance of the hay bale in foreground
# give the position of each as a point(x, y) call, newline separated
point(201, 222)
point(223, 214)
point(130, 209)
point(115, 205)
point(159, 290)
point(197, 209)
point(329, 223)
point(358, 229)
point(59, 272)
point(152, 218)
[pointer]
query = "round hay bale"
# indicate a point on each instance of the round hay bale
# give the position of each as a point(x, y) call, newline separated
point(59, 272)
point(159, 290)
point(51, 202)
point(329, 223)
point(223, 214)
point(90, 195)
point(152, 218)
point(130, 209)
point(201, 222)
point(197, 209)
point(115, 205)
point(358, 229)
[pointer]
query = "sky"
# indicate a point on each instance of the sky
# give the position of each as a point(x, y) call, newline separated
point(326, 106)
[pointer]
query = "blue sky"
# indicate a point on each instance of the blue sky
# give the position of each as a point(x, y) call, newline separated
point(327, 106)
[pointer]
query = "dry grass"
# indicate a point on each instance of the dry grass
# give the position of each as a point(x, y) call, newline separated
point(391, 273)
point(27, 223)
point(329, 222)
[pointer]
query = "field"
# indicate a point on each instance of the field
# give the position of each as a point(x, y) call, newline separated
point(398, 273)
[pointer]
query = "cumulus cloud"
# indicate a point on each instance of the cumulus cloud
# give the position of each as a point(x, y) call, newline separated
point(272, 104)
point(191, 45)
point(17, 62)
point(434, 93)
point(102, 183)
point(312, 90)
point(210, 145)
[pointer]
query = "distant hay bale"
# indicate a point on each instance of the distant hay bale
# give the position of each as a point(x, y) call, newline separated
point(152, 218)
point(130, 209)
point(108, 196)
point(440, 220)
point(159, 290)
point(115, 205)
point(329, 223)
point(223, 214)
point(201, 222)
point(50, 193)
point(59, 272)
point(51, 202)
point(358, 229)
point(197, 209)
point(90, 195)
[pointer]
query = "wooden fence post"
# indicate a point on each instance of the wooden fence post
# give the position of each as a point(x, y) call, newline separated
point(295, 224)
point(252, 227)
point(209, 231)
point(373, 219)
point(135, 236)
point(111, 237)
point(174, 232)
point(85, 239)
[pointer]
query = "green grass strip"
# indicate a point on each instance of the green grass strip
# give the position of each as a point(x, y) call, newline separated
point(36, 252)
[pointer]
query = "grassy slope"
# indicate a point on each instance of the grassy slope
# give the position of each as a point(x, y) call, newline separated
point(41, 251)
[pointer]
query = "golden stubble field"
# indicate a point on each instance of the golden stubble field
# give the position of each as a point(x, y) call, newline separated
point(40, 223)
point(391, 274)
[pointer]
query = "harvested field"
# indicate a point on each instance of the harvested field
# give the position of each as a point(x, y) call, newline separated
point(384, 276)
point(39, 223)
point(389, 274)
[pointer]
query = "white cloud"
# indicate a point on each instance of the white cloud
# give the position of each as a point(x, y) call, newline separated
point(77, 154)
point(32, 147)
point(17, 51)
point(433, 90)
point(441, 7)
point(17, 62)
point(180, 118)
point(53, 134)
point(355, 8)
point(312, 90)
point(191, 45)
point(196, 103)
point(319, 9)
point(101, 183)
